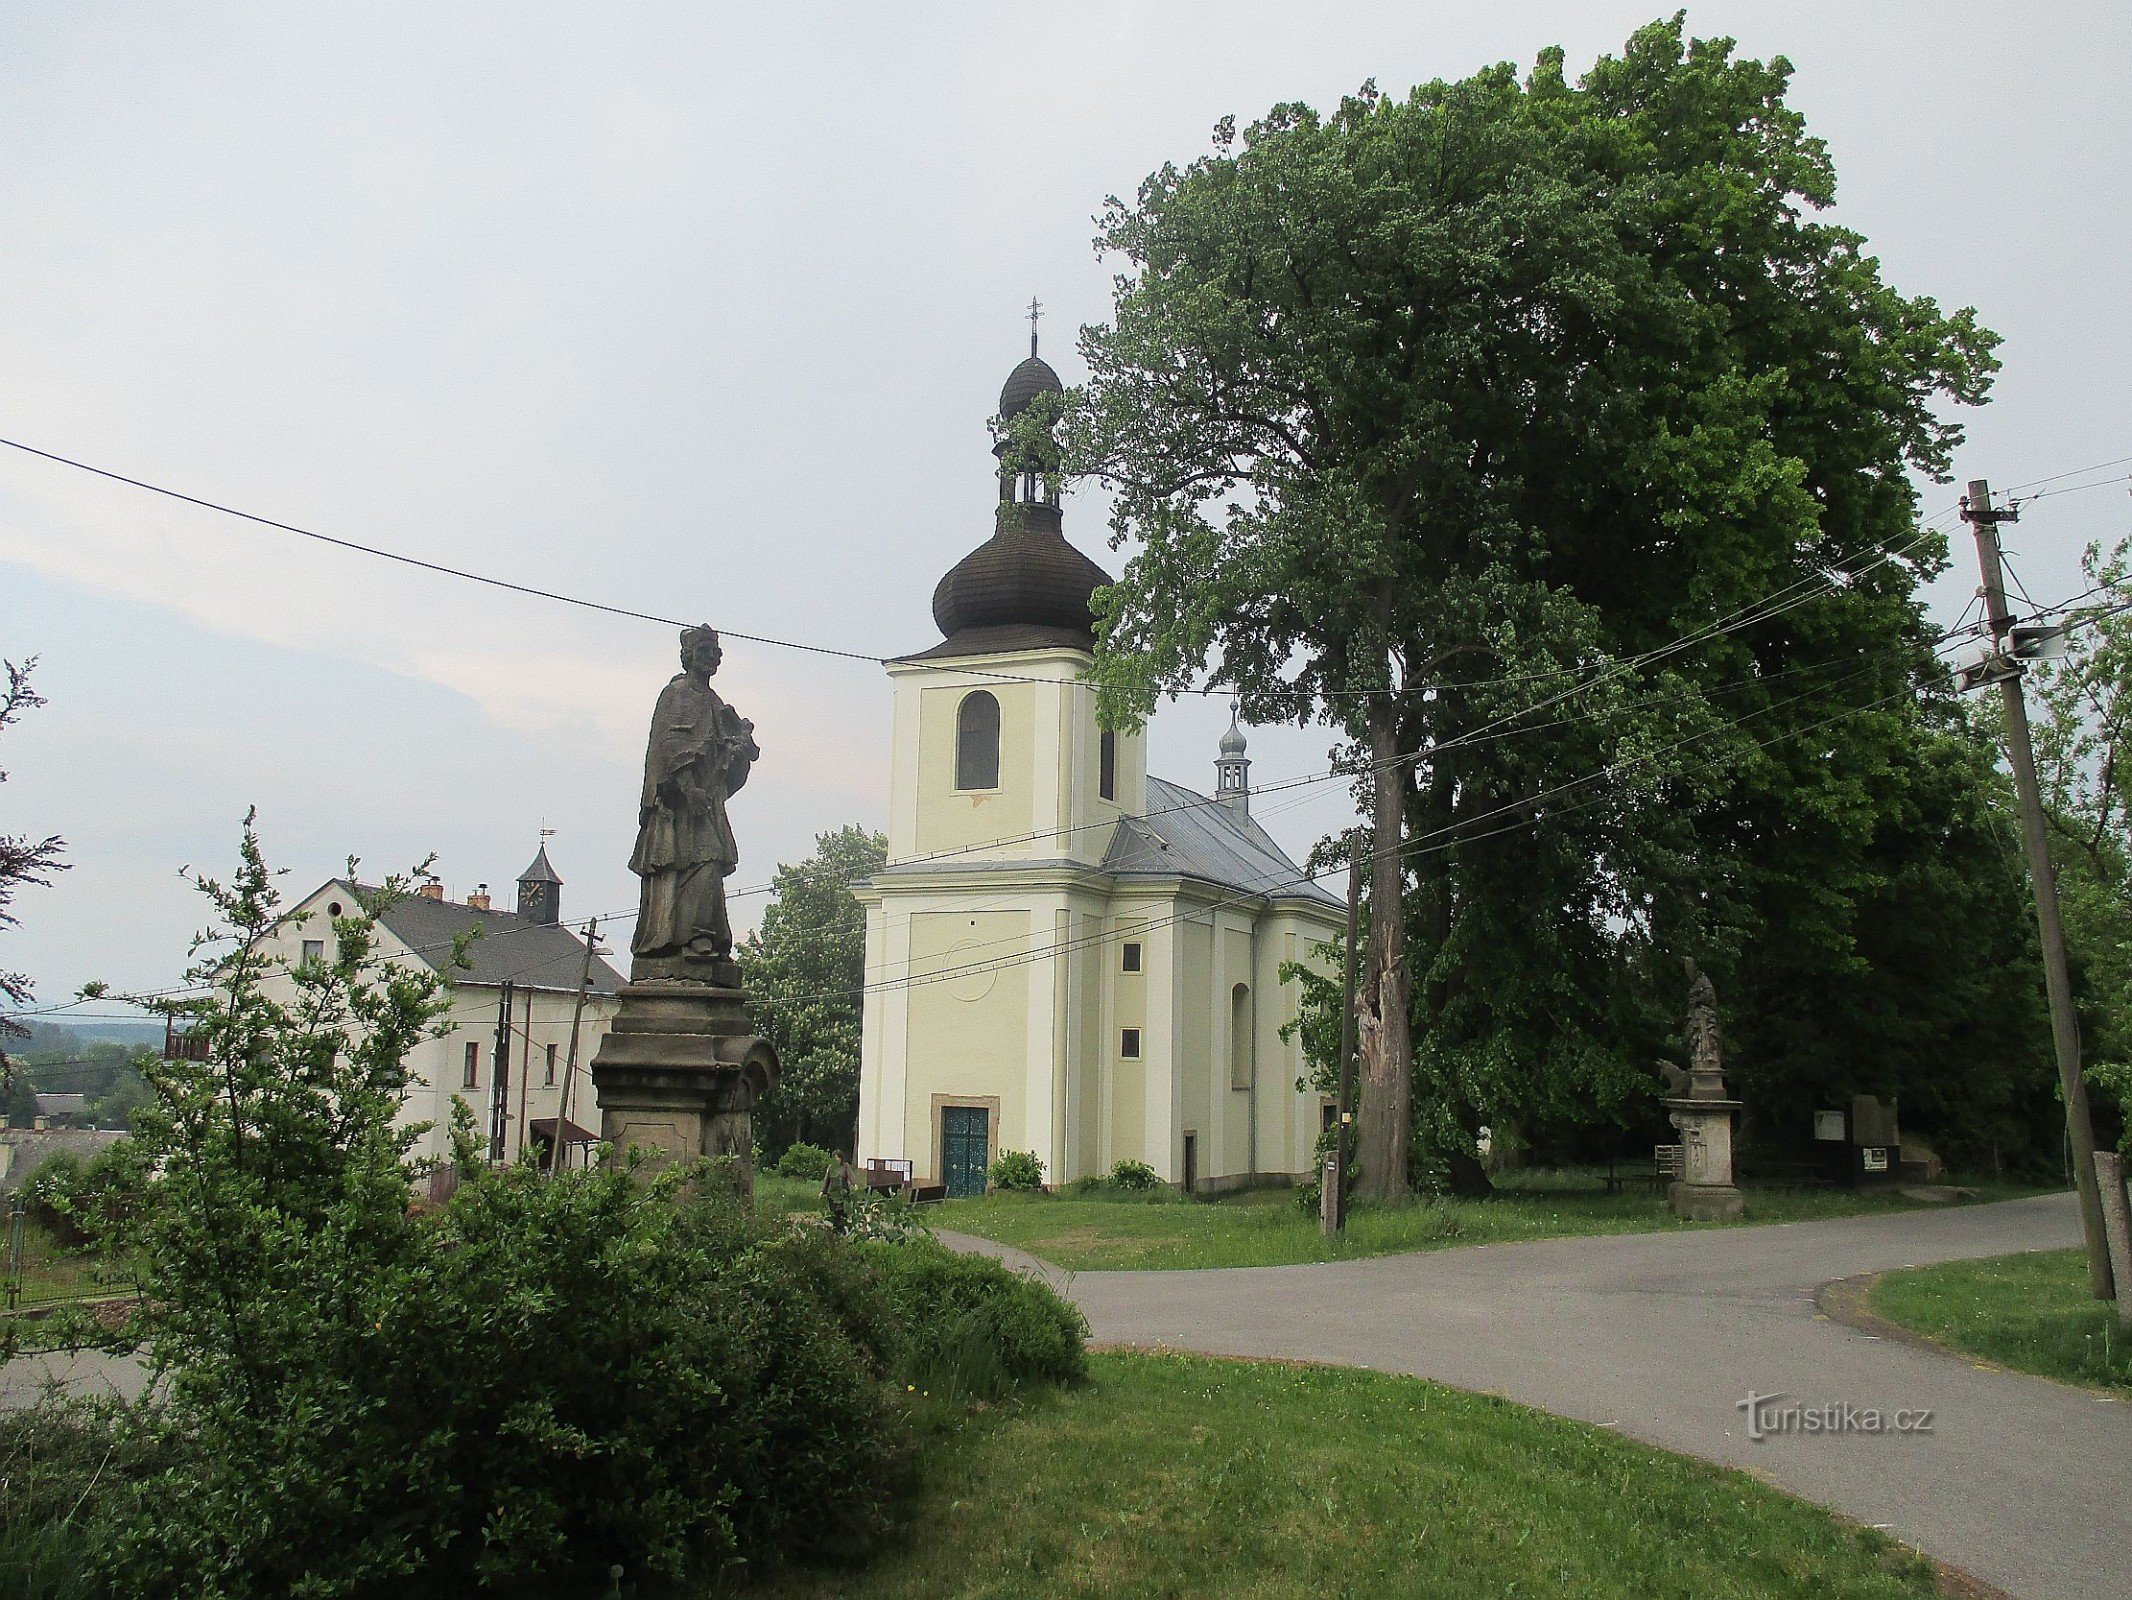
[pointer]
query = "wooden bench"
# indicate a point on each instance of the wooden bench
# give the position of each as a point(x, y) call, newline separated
point(1666, 1167)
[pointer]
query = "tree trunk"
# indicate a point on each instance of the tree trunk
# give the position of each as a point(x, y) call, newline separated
point(1386, 1112)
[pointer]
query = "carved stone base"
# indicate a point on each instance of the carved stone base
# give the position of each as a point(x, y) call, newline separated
point(1705, 1192)
point(1706, 1202)
point(679, 1073)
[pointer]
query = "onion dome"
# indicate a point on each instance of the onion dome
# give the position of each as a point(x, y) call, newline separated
point(1025, 588)
point(1232, 742)
point(1032, 378)
point(1022, 589)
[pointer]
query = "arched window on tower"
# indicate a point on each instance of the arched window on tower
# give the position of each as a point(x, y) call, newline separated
point(977, 741)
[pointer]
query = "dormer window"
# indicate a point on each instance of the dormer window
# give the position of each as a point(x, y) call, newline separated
point(1107, 766)
point(977, 741)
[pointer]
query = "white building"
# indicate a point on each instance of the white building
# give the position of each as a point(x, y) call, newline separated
point(526, 954)
point(1063, 954)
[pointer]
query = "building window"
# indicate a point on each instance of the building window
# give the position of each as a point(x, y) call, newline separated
point(470, 1078)
point(1240, 1037)
point(551, 1066)
point(314, 950)
point(977, 741)
point(1107, 767)
point(1129, 1044)
point(1129, 958)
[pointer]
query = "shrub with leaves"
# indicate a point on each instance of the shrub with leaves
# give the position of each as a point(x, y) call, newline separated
point(970, 1326)
point(805, 1161)
point(1134, 1175)
point(1017, 1169)
point(541, 1379)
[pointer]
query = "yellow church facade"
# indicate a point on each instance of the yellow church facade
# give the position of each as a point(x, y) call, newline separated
point(1063, 954)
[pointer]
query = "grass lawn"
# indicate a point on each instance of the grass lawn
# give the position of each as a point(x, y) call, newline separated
point(2031, 1312)
point(1263, 1227)
point(1185, 1475)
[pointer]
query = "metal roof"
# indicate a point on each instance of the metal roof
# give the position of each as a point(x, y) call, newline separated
point(537, 954)
point(1188, 834)
point(541, 871)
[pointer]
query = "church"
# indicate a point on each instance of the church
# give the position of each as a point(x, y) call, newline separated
point(1065, 955)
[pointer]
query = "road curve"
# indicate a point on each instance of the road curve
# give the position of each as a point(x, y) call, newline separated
point(2024, 1482)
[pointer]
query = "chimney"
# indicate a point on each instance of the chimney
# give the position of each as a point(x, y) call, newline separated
point(479, 899)
point(431, 890)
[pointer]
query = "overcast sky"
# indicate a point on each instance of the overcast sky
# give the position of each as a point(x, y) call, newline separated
point(701, 310)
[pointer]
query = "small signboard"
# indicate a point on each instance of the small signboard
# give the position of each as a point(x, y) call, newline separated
point(1876, 1158)
point(1828, 1126)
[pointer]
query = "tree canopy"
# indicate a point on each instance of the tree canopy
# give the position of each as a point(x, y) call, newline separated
point(805, 973)
point(1539, 438)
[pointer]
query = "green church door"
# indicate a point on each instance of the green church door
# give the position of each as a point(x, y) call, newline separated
point(964, 1149)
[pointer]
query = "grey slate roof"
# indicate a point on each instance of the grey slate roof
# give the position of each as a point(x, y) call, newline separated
point(540, 871)
point(538, 955)
point(61, 1105)
point(1186, 834)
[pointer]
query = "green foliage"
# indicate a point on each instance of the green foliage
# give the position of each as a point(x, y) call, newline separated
point(1016, 1169)
point(2081, 707)
point(1498, 390)
point(63, 1464)
point(539, 1381)
point(805, 971)
point(805, 1161)
point(972, 1327)
point(24, 861)
point(93, 1202)
point(1134, 1175)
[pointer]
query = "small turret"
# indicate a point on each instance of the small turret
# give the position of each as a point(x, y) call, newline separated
point(540, 891)
point(1232, 771)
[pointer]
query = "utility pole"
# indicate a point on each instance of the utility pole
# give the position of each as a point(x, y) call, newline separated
point(1978, 512)
point(500, 1076)
point(577, 1016)
point(1344, 1110)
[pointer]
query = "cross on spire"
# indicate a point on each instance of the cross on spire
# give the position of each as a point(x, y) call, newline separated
point(1035, 310)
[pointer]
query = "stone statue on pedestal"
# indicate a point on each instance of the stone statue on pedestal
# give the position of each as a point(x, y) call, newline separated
point(680, 1071)
point(698, 756)
point(1703, 1114)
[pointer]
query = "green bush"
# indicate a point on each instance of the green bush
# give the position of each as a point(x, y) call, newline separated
point(1134, 1176)
point(63, 1463)
point(1017, 1169)
point(805, 1161)
point(545, 1378)
point(969, 1326)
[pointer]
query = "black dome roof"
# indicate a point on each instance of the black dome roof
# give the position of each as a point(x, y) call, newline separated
point(1024, 583)
point(1032, 378)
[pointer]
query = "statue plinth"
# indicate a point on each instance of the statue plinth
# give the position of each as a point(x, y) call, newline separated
point(1705, 1192)
point(679, 1072)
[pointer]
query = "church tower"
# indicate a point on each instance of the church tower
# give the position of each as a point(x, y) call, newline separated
point(997, 750)
point(540, 891)
point(1064, 955)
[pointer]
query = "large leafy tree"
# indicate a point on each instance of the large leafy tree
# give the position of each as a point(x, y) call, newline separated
point(2082, 718)
point(805, 971)
point(1533, 434)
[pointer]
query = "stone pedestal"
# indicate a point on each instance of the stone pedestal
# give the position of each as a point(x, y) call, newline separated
point(679, 1072)
point(1705, 1192)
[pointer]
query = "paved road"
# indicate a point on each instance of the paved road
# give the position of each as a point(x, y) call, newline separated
point(2024, 1482)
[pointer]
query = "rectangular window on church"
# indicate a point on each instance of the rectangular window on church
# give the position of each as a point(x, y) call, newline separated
point(1129, 1044)
point(1107, 774)
point(551, 1066)
point(1129, 961)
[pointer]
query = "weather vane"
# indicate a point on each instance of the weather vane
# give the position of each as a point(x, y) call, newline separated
point(1035, 311)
